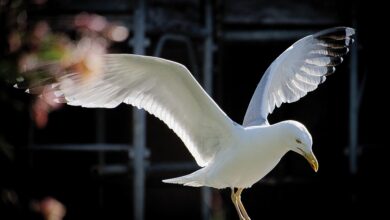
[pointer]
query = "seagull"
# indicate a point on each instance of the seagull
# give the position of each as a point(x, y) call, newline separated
point(230, 155)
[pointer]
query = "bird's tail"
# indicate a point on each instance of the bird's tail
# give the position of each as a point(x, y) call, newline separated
point(195, 179)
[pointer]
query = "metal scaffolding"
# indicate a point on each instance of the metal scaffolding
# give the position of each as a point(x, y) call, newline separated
point(138, 151)
point(139, 133)
point(354, 102)
point(139, 120)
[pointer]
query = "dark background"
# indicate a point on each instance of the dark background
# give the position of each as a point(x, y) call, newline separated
point(291, 188)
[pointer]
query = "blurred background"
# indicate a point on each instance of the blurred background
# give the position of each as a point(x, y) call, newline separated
point(63, 162)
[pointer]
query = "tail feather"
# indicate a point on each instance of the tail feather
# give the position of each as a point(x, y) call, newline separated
point(194, 179)
point(177, 180)
point(184, 181)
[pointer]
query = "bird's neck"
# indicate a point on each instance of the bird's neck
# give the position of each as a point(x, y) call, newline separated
point(271, 135)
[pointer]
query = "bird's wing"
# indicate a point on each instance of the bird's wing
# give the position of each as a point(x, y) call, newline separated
point(297, 71)
point(163, 88)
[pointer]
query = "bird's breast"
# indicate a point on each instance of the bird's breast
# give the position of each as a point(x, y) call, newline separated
point(245, 164)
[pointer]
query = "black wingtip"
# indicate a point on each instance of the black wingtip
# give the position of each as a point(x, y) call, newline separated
point(330, 71)
point(335, 41)
point(336, 33)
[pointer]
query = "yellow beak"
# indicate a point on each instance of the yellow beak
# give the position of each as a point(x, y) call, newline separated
point(311, 158)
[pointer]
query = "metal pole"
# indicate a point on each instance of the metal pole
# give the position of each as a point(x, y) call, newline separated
point(139, 119)
point(208, 85)
point(353, 108)
point(100, 139)
point(208, 50)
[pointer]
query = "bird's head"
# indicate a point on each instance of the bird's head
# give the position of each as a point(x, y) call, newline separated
point(300, 141)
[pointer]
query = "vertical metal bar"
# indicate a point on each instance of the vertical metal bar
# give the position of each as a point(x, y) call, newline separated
point(353, 108)
point(139, 130)
point(100, 138)
point(208, 50)
point(206, 203)
point(100, 126)
point(208, 85)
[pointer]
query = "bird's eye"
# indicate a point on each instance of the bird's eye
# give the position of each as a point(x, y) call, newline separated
point(298, 141)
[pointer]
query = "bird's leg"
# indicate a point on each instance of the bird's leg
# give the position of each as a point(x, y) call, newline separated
point(235, 202)
point(240, 205)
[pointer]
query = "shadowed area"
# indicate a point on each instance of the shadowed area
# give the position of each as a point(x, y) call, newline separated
point(64, 160)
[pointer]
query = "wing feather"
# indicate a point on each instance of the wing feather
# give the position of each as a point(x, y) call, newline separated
point(297, 71)
point(163, 88)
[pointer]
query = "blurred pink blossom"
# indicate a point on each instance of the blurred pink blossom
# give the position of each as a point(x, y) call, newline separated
point(50, 55)
point(50, 208)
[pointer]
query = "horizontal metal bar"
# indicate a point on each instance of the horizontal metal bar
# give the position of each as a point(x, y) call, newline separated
point(112, 169)
point(83, 147)
point(179, 166)
point(265, 35)
point(272, 181)
point(160, 167)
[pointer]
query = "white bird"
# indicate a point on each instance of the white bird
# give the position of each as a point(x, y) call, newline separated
point(231, 155)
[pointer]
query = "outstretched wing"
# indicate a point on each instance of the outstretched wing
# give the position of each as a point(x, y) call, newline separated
point(297, 71)
point(163, 88)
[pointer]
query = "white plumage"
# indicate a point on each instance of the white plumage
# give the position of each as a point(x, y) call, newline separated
point(231, 155)
point(163, 88)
